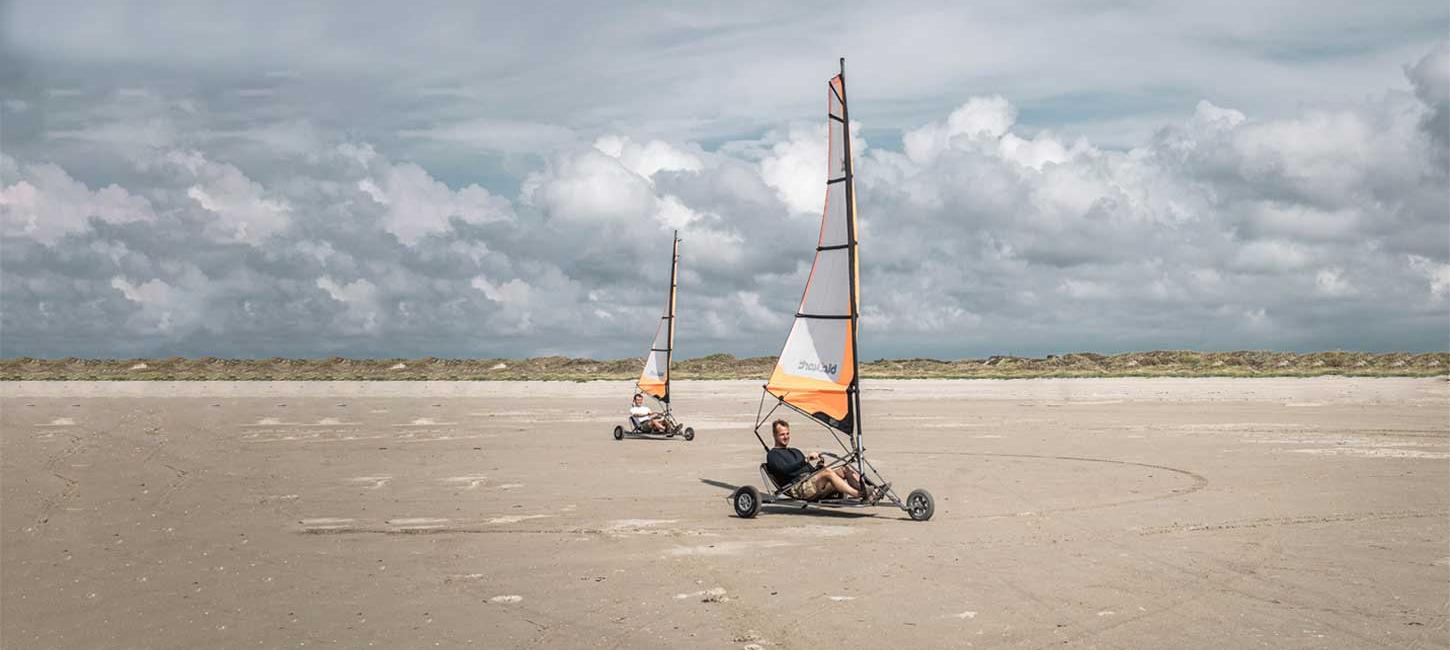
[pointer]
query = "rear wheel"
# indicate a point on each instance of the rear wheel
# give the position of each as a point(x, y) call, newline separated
point(920, 505)
point(689, 433)
point(746, 501)
point(618, 433)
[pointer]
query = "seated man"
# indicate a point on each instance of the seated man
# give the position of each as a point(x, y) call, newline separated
point(788, 465)
point(643, 418)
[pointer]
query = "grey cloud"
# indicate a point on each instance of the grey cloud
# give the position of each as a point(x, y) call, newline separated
point(195, 219)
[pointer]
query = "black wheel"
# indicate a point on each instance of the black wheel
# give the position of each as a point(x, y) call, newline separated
point(618, 433)
point(746, 501)
point(689, 433)
point(920, 505)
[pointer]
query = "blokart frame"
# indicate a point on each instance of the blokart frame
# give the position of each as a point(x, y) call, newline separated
point(747, 499)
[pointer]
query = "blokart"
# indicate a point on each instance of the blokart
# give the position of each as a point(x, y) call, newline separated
point(654, 380)
point(817, 374)
point(672, 427)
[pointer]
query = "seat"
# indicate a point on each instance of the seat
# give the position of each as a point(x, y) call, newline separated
point(777, 488)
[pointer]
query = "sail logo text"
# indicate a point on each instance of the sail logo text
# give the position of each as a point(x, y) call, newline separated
point(812, 366)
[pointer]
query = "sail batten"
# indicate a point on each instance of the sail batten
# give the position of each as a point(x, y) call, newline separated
point(816, 372)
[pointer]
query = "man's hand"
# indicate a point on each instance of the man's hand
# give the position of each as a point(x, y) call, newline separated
point(813, 456)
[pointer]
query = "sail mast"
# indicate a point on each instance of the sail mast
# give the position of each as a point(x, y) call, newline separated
point(674, 283)
point(854, 390)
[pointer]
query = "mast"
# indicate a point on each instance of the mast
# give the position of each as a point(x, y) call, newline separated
point(854, 390)
point(670, 319)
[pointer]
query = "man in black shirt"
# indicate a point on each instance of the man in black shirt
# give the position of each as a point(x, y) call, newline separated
point(786, 465)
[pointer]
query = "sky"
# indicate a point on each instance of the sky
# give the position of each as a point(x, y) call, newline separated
point(501, 179)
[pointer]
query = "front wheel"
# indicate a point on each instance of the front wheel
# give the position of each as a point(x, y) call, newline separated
point(746, 501)
point(618, 433)
point(920, 505)
point(689, 433)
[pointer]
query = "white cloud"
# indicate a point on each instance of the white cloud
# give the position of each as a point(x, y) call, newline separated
point(1331, 282)
point(795, 166)
point(979, 119)
point(589, 186)
point(649, 158)
point(418, 205)
point(164, 307)
point(1438, 273)
point(1226, 227)
point(361, 299)
point(47, 204)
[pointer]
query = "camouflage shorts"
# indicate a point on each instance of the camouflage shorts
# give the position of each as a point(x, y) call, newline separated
point(805, 490)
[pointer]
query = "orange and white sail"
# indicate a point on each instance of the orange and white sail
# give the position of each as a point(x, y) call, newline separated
point(655, 378)
point(816, 372)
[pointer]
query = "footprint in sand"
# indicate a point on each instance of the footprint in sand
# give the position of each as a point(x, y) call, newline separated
point(418, 524)
point(471, 481)
point(714, 594)
point(425, 422)
point(377, 481)
point(514, 519)
point(326, 524)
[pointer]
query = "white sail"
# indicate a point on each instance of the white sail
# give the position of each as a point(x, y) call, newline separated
point(655, 378)
point(817, 366)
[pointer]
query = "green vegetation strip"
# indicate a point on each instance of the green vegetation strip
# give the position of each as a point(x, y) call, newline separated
point(724, 366)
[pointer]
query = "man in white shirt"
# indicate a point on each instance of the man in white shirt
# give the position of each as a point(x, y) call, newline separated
point(645, 419)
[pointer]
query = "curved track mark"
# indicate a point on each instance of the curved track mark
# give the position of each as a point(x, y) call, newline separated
point(1199, 481)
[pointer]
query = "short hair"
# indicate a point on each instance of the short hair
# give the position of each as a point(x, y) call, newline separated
point(775, 426)
point(639, 394)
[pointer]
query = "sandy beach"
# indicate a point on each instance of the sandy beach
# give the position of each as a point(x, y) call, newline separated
point(1103, 513)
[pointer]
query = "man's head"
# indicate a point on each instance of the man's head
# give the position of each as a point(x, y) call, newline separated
point(639, 399)
point(780, 429)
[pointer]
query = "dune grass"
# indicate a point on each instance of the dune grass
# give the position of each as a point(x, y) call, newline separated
point(1169, 363)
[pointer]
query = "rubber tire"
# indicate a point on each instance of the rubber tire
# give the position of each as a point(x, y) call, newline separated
point(919, 505)
point(618, 433)
point(689, 433)
point(746, 501)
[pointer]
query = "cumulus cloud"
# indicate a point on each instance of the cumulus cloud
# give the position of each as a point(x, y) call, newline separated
point(418, 205)
point(795, 166)
point(982, 232)
point(45, 203)
point(649, 158)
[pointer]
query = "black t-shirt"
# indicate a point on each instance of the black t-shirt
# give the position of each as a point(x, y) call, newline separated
point(786, 464)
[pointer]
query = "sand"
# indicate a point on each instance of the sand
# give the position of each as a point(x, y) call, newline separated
point(1112, 513)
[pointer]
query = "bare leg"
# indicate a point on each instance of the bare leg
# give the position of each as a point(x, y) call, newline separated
point(837, 482)
point(849, 473)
